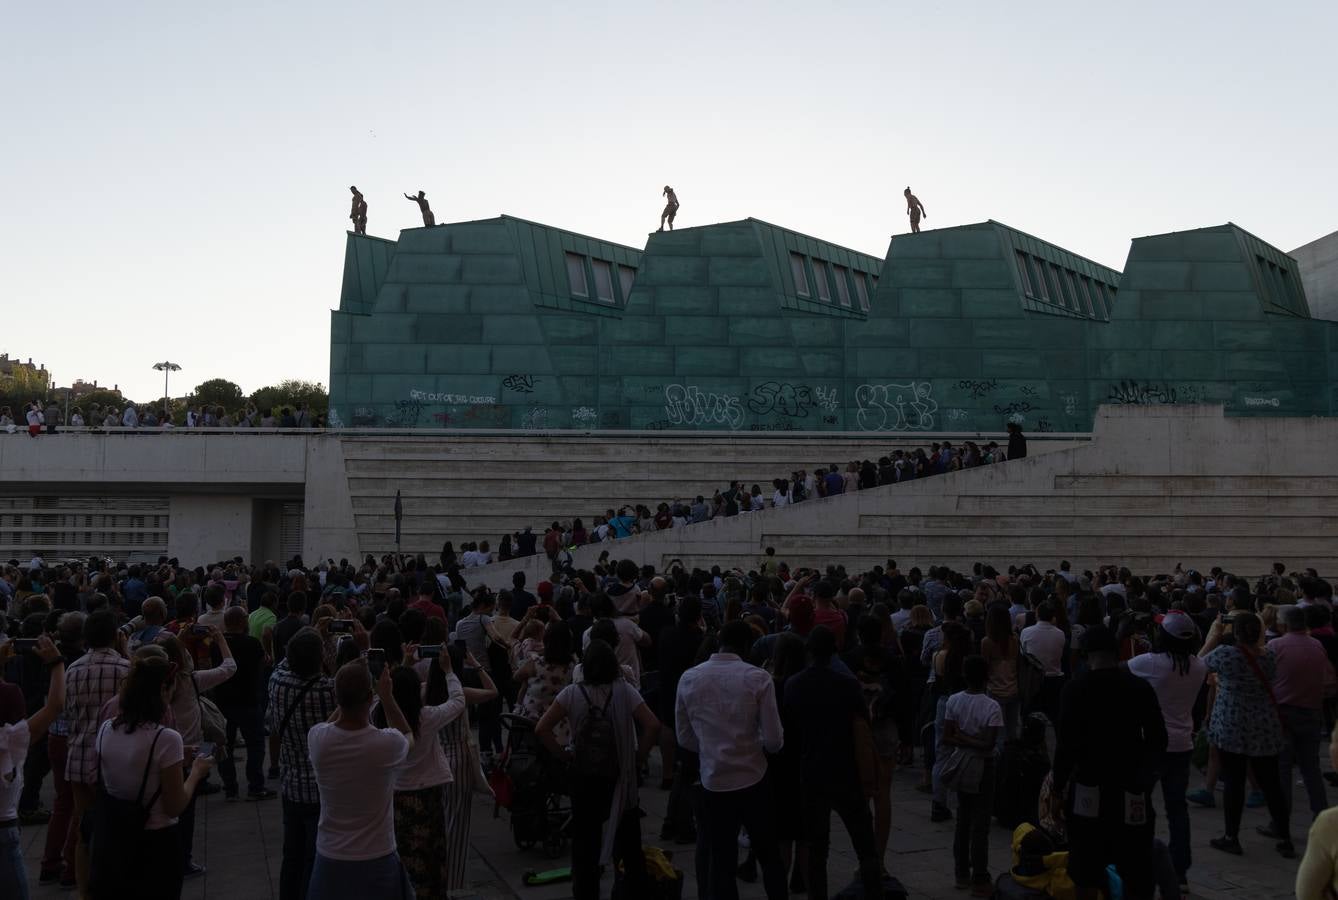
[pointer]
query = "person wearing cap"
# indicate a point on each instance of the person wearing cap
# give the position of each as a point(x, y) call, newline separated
point(1108, 749)
point(1177, 676)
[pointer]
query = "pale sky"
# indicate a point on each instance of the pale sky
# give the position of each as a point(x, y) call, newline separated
point(177, 176)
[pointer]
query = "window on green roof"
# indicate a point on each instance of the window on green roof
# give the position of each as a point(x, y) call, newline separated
point(842, 285)
point(861, 291)
point(603, 280)
point(800, 274)
point(626, 276)
point(1024, 274)
point(820, 276)
point(576, 275)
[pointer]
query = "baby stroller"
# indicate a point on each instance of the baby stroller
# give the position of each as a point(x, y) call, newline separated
point(538, 787)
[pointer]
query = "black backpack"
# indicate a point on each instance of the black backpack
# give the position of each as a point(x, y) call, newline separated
point(115, 828)
point(596, 743)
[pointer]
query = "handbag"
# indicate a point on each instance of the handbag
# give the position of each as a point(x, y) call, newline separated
point(213, 726)
point(1268, 688)
point(961, 770)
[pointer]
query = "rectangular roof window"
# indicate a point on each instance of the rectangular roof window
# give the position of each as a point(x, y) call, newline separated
point(800, 274)
point(603, 280)
point(576, 275)
point(842, 284)
point(823, 285)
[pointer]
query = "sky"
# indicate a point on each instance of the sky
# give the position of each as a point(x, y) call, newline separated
point(177, 176)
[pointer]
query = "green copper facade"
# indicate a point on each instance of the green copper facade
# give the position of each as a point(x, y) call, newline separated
point(504, 323)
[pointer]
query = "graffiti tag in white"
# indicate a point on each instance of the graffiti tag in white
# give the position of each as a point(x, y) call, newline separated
point(689, 405)
point(896, 407)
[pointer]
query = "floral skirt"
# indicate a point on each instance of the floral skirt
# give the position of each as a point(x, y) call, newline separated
point(420, 836)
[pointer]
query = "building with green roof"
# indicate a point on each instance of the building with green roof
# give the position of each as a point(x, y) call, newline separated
point(504, 323)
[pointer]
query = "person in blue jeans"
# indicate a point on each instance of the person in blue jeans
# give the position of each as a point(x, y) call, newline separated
point(15, 740)
point(1178, 677)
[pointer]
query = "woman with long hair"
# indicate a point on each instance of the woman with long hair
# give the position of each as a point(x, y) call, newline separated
point(188, 684)
point(1245, 726)
point(604, 797)
point(947, 681)
point(543, 676)
point(1000, 649)
point(141, 761)
point(420, 810)
point(882, 679)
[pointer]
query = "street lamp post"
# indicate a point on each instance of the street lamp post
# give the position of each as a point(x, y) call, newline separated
point(166, 368)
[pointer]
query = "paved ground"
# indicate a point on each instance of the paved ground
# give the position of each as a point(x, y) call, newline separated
point(240, 844)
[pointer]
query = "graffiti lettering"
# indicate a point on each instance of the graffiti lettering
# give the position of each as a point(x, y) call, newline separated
point(406, 414)
point(773, 426)
point(978, 389)
point(1262, 401)
point(584, 415)
point(956, 415)
point(534, 418)
point(1070, 404)
point(689, 405)
point(441, 418)
point(1028, 391)
point(827, 398)
point(1139, 394)
point(521, 384)
point(786, 399)
point(431, 397)
point(1043, 425)
point(896, 407)
point(1019, 406)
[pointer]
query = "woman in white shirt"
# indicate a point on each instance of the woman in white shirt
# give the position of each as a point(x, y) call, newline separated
point(140, 760)
point(420, 808)
point(783, 495)
point(15, 740)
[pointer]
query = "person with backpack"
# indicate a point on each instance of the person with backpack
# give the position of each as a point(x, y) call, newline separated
point(613, 731)
point(142, 789)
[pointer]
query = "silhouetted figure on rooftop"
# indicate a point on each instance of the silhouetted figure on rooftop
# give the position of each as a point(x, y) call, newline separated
point(359, 212)
point(670, 208)
point(428, 219)
point(915, 209)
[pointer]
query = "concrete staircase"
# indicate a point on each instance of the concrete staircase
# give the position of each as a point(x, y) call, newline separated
point(1156, 486)
point(478, 487)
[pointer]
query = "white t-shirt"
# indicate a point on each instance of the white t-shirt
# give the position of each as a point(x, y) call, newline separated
point(123, 757)
point(13, 752)
point(973, 713)
point(1175, 692)
point(626, 651)
point(1045, 642)
point(356, 772)
point(426, 763)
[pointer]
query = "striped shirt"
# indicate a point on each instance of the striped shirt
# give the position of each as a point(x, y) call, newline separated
point(296, 777)
point(91, 681)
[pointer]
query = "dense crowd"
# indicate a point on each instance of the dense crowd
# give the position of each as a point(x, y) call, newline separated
point(383, 694)
point(801, 484)
point(48, 417)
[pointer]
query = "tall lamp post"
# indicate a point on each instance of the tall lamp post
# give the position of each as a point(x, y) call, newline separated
point(166, 368)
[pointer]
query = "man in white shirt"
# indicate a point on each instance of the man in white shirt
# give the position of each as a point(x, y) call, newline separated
point(1046, 643)
point(630, 637)
point(130, 418)
point(356, 767)
point(726, 713)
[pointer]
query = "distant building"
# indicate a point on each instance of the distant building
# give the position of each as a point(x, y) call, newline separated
point(1318, 262)
point(82, 388)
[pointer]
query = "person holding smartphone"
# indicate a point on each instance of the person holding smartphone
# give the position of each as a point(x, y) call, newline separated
point(356, 766)
point(15, 741)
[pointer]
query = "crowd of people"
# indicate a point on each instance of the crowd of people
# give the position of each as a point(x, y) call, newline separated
point(800, 485)
point(49, 417)
point(377, 693)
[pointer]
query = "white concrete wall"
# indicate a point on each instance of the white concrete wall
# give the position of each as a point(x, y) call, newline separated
point(1318, 263)
point(1158, 485)
point(204, 528)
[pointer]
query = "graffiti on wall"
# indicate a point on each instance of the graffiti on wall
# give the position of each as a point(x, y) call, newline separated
point(1140, 393)
point(584, 416)
point(782, 398)
point(978, 389)
point(690, 405)
point(521, 384)
point(435, 397)
point(896, 407)
point(1016, 408)
point(827, 398)
point(534, 418)
point(1261, 401)
point(405, 415)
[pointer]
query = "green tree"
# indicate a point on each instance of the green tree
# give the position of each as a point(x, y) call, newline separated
point(289, 393)
point(217, 392)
